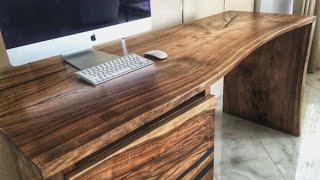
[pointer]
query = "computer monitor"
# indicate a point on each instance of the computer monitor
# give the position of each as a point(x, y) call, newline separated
point(36, 29)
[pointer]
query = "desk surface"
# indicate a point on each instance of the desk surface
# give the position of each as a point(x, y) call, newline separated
point(57, 120)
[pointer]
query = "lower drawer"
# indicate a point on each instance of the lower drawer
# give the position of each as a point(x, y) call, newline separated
point(180, 148)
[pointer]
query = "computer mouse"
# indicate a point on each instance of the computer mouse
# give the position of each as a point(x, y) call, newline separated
point(156, 54)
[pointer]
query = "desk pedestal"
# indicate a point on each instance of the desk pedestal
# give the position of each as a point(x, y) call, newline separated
point(177, 145)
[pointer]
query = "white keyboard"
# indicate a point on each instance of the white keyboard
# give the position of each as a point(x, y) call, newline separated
point(113, 69)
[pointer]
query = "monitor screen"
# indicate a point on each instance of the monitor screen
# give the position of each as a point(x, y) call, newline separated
point(24, 22)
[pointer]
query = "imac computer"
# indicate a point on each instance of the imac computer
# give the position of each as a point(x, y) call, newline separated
point(37, 29)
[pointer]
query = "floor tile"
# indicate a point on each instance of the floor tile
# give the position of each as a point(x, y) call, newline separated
point(237, 150)
point(280, 149)
point(259, 169)
point(313, 80)
point(231, 127)
point(311, 113)
point(300, 170)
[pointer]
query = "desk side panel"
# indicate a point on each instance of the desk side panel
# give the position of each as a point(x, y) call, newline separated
point(267, 86)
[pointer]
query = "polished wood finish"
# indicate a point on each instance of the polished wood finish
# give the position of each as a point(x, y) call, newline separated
point(180, 148)
point(267, 86)
point(56, 120)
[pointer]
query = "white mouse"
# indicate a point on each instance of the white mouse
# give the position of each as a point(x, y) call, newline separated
point(156, 54)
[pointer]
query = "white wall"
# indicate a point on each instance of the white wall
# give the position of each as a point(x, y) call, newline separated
point(239, 5)
point(275, 6)
point(165, 13)
point(195, 9)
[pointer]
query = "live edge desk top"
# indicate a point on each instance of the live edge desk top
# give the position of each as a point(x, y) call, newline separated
point(56, 120)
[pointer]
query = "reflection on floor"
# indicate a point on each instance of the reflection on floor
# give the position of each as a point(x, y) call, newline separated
point(247, 151)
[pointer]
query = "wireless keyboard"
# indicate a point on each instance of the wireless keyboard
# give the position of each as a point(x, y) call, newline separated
point(113, 69)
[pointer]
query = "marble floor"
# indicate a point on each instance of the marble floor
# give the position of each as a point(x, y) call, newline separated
point(247, 151)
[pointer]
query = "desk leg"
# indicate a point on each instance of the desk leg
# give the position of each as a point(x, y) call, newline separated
point(267, 87)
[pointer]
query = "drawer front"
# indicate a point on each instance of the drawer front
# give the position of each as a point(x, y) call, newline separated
point(181, 148)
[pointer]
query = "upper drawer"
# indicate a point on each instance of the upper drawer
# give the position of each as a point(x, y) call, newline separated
point(180, 145)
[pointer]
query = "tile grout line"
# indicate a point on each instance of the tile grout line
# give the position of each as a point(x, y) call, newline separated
point(272, 159)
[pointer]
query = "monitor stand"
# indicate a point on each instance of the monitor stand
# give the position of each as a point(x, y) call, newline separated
point(88, 58)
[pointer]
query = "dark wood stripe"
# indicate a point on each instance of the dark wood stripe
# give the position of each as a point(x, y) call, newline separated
point(205, 171)
point(197, 163)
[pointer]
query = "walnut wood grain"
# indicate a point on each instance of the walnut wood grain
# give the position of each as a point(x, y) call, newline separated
point(267, 86)
point(180, 148)
point(56, 120)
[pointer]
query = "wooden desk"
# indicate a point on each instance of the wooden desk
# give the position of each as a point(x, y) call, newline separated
point(156, 122)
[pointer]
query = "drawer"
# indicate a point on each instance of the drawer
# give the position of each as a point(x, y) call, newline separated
point(180, 146)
